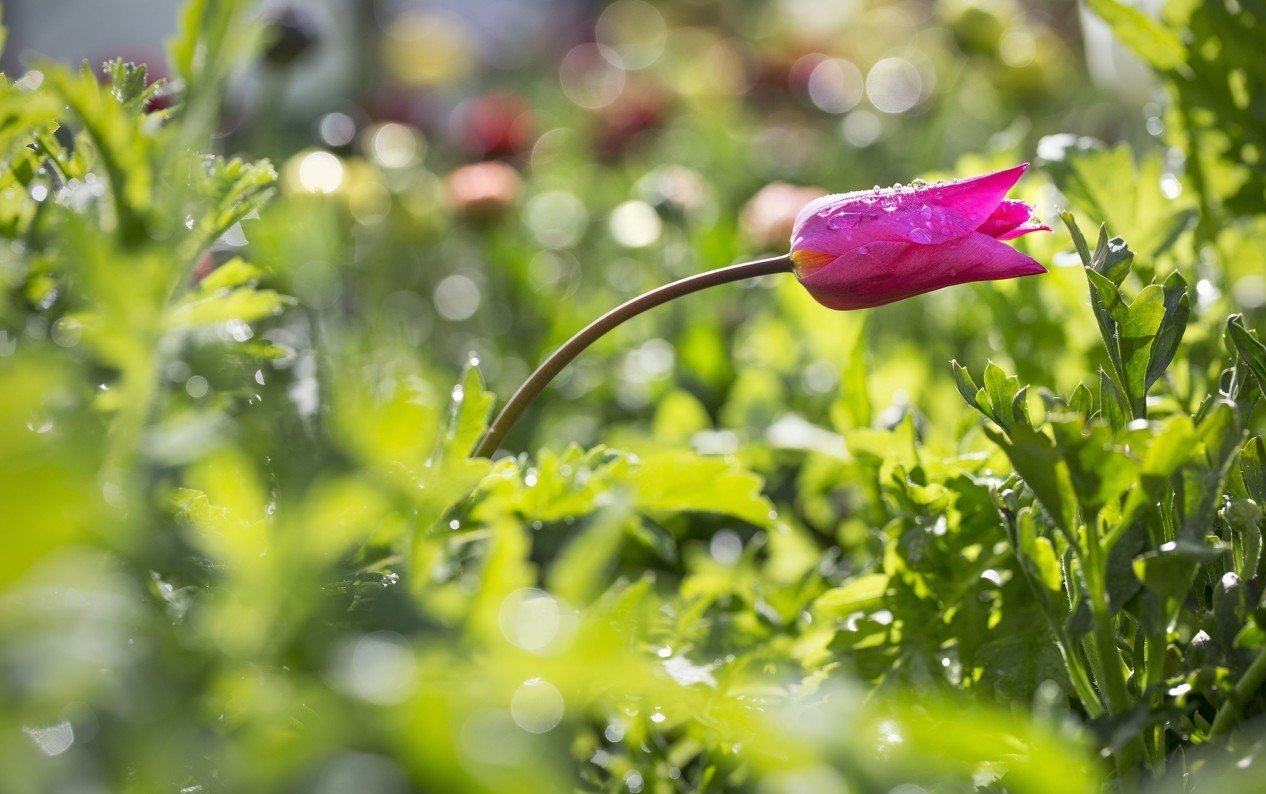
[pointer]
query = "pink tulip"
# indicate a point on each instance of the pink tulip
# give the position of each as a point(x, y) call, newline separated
point(871, 247)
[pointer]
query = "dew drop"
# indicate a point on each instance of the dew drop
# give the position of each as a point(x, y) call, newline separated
point(458, 393)
point(920, 236)
point(926, 212)
point(843, 221)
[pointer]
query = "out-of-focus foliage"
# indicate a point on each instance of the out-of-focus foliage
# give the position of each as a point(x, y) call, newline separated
point(749, 544)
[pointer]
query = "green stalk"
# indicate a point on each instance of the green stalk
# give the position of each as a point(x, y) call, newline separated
point(1067, 648)
point(591, 333)
point(1105, 658)
point(1248, 685)
point(1077, 672)
point(1154, 675)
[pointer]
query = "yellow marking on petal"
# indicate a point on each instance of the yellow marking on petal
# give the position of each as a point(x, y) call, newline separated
point(806, 262)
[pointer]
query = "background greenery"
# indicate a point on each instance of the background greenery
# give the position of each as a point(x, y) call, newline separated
point(749, 544)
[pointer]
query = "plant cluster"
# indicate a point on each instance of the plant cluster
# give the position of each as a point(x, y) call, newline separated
point(751, 544)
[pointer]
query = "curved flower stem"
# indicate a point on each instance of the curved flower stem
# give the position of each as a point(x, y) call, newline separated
point(539, 379)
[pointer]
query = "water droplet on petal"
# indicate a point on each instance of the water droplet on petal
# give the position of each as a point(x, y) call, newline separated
point(945, 229)
point(917, 183)
point(920, 236)
point(845, 220)
point(925, 211)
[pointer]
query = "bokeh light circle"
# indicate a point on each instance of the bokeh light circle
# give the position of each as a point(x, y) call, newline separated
point(592, 75)
point(894, 85)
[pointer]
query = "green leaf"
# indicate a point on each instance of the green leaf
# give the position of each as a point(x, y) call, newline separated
point(1144, 36)
point(1198, 487)
point(1172, 328)
point(472, 406)
point(1105, 300)
point(582, 570)
point(1168, 573)
point(859, 594)
point(685, 481)
point(1112, 257)
point(123, 141)
point(1081, 401)
point(966, 386)
point(1039, 464)
point(130, 86)
point(245, 304)
point(1253, 469)
point(1168, 450)
point(654, 537)
point(1251, 636)
point(233, 273)
point(233, 189)
point(1002, 392)
point(1251, 351)
point(1112, 403)
point(1138, 325)
point(1079, 240)
point(451, 474)
point(1039, 552)
point(1098, 468)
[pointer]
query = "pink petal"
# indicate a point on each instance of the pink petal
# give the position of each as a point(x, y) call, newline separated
point(1008, 216)
point(884, 272)
point(1020, 231)
point(927, 215)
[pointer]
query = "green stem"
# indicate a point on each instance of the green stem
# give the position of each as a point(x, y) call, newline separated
point(1077, 673)
point(1105, 657)
point(1067, 648)
point(1245, 688)
point(1156, 644)
point(546, 372)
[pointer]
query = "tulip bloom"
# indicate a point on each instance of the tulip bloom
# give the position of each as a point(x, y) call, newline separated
point(871, 247)
point(851, 251)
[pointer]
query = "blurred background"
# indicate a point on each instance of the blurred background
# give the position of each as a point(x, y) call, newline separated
point(591, 150)
point(250, 545)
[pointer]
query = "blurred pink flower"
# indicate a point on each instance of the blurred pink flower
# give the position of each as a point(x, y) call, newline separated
point(770, 216)
point(871, 247)
point(494, 126)
point(483, 190)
